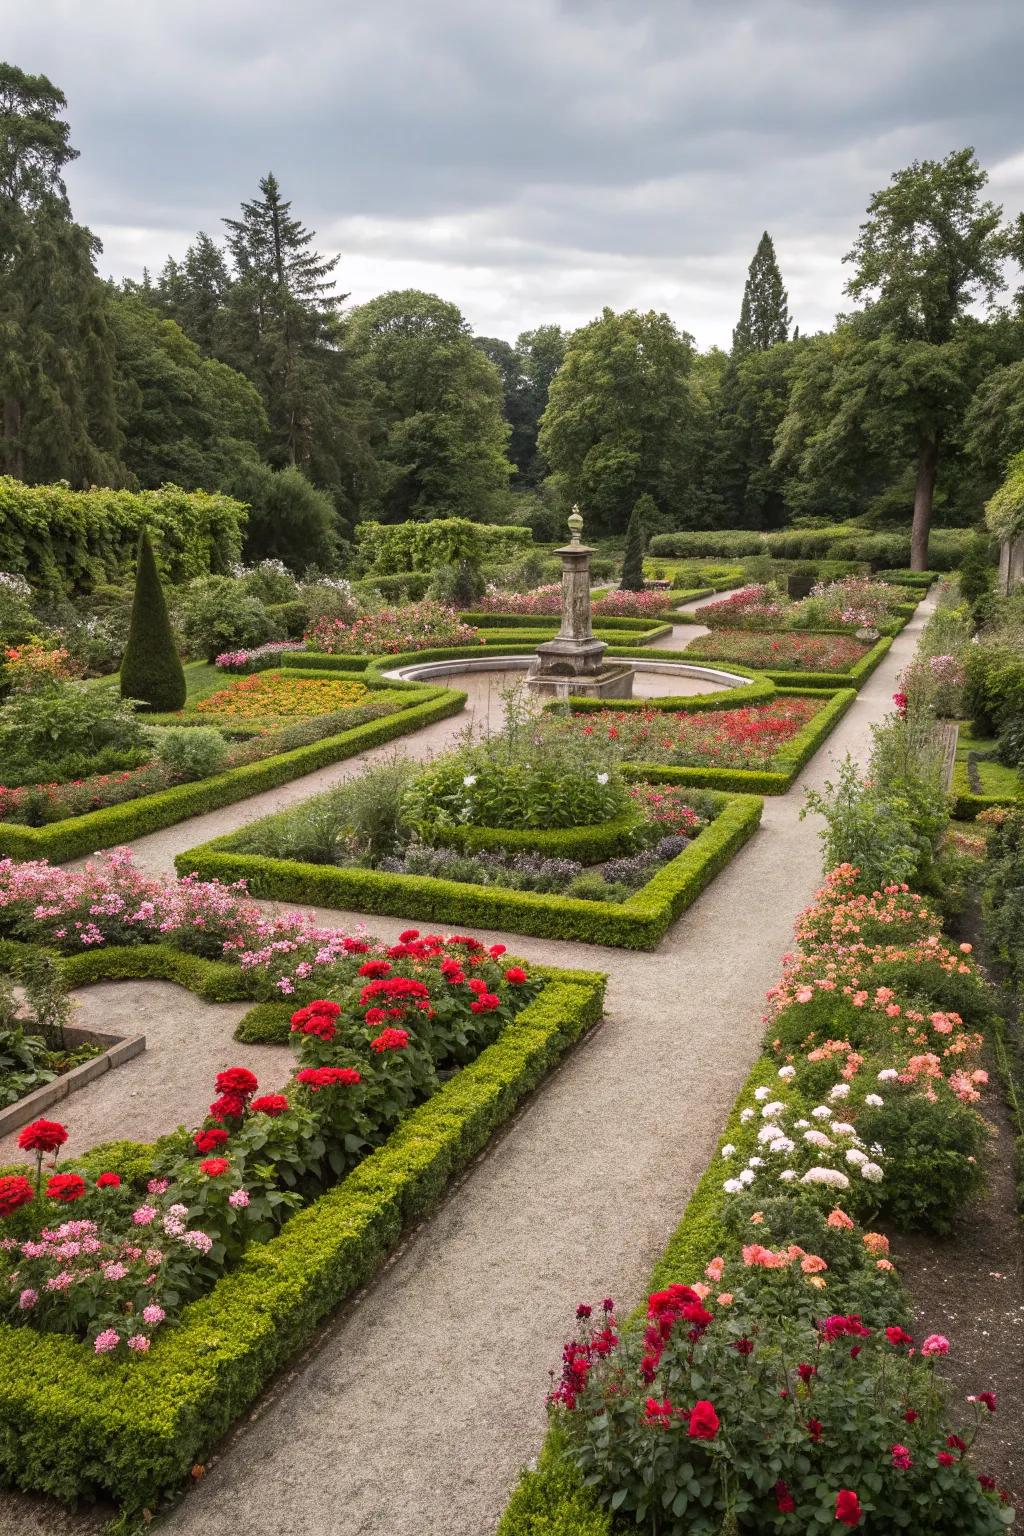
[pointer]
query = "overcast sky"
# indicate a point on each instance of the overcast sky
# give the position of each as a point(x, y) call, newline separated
point(535, 161)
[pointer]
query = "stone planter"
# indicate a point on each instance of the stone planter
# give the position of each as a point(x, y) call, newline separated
point(117, 1050)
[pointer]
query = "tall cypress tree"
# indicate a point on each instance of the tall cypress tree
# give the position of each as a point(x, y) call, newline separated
point(151, 670)
point(764, 314)
point(632, 579)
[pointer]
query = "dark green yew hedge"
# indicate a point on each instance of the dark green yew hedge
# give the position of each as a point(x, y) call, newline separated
point(116, 824)
point(77, 1426)
point(638, 923)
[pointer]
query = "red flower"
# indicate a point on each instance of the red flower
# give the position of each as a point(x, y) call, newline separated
point(390, 1040)
point(42, 1136)
point(408, 934)
point(237, 1080)
point(478, 984)
point(743, 1346)
point(497, 950)
point(213, 1167)
point(209, 1141)
point(944, 1459)
point(324, 1005)
point(270, 1104)
point(901, 1458)
point(704, 1421)
point(374, 968)
point(658, 1413)
point(955, 1443)
point(15, 1191)
point(805, 1372)
point(814, 1429)
point(65, 1187)
point(988, 1399)
point(515, 975)
point(897, 1338)
point(109, 1181)
point(375, 1016)
point(230, 1106)
point(784, 1501)
point(988, 1483)
point(848, 1508)
point(910, 1416)
point(486, 1002)
point(315, 1078)
point(836, 1326)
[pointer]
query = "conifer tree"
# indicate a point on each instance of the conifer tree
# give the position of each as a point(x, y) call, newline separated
point(632, 579)
point(151, 670)
point(764, 315)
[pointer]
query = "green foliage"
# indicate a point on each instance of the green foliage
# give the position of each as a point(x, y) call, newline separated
point(632, 579)
point(65, 540)
point(65, 727)
point(457, 586)
point(835, 542)
point(151, 670)
point(442, 541)
point(191, 752)
point(526, 371)
point(977, 573)
point(289, 518)
point(216, 613)
point(994, 693)
point(1004, 891)
point(940, 1163)
point(764, 315)
point(1004, 513)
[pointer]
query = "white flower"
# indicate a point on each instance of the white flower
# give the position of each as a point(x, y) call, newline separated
point(801, 1125)
point(769, 1133)
point(602, 778)
point(875, 1100)
point(816, 1139)
point(786, 1073)
point(840, 1091)
point(762, 1093)
point(748, 1176)
point(781, 1144)
point(822, 1112)
point(830, 1176)
point(770, 1111)
point(469, 780)
point(841, 1128)
point(756, 1162)
point(746, 1114)
point(877, 1148)
point(888, 1075)
point(733, 1187)
point(728, 1149)
point(872, 1172)
point(856, 1157)
point(787, 1175)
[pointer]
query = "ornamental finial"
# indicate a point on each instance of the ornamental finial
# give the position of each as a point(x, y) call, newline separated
point(575, 521)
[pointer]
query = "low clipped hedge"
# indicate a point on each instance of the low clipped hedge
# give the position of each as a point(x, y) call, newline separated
point(115, 824)
point(75, 1426)
point(759, 692)
point(552, 621)
point(759, 781)
point(638, 923)
point(857, 674)
point(587, 844)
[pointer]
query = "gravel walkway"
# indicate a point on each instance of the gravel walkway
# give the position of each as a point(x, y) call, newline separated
point(417, 1406)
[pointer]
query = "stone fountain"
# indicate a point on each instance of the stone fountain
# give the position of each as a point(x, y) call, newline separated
point(573, 663)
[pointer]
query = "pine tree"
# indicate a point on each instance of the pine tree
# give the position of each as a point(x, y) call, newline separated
point(632, 579)
point(764, 316)
point(194, 292)
point(151, 670)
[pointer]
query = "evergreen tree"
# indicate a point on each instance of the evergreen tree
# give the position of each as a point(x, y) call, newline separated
point(194, 292)
point(57, 357)
point(632, 579)
point(151, 669)
point(764, 315)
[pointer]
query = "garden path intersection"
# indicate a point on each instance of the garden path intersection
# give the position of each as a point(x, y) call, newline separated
point(415, 1409)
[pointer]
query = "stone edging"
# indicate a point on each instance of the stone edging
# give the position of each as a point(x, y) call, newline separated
point(119, 1049)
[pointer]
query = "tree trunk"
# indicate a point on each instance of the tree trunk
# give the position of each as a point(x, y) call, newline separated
point(13, 453)
point(924, 494)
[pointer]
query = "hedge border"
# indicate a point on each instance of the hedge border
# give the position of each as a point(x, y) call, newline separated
point(73, 1426)
point(638, 923)
point(857, 674)
point(115, 824)
point(622, 622)
point(589, 844)
point(967, 805)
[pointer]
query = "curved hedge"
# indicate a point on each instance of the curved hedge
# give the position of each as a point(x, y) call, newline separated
point(65, 540)
point(946, 546)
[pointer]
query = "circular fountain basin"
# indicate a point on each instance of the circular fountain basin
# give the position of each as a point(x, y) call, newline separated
point(653, 679)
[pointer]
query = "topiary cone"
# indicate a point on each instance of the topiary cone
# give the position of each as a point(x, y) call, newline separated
point(151, 669)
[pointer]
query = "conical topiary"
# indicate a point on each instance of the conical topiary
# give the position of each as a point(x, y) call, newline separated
point(151, 669)
point(636, 538)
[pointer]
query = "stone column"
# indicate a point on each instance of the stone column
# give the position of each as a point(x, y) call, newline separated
point(573, 663)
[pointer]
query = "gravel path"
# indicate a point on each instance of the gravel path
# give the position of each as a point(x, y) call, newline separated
point(415, 1409)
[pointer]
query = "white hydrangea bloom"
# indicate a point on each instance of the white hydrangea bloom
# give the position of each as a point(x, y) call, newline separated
point(872, 1173)
point(830, 1176)
point(787, 1175)
point(786, 1073)
point(888, 1075)
point(822, 1112)
point(856, 1157)
point(756, 1162)
point(801, 1125)
point(875, 1100)
point(748, 1176)
point(747, 1114)
point(816, 1139)
point(762, 1093)
point(732, 1187)
point(781, 1144)
point(773, 1110)
point(728, 1149)
point(843, 1128)
point(840, 1091)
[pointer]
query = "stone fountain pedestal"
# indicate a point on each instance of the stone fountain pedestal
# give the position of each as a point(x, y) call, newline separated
point(573, 663)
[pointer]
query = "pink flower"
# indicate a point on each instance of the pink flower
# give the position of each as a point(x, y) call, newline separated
point(153, 1314)
point(935, 1344)
point(144, 1215)
point(28, 1298)
point(139, 1343)
point(158, 1186)
point(239, 1198)
point(106, 1341)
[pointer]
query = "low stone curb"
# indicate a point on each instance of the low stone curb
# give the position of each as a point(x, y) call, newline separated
point(119, 1049)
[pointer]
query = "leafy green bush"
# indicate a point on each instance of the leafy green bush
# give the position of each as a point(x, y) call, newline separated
point(269, 580)
point(459, 586)
point(192, 752)
point(65, 725)
point(151, 671)
point(216, 613)
point(939, 1165)
point(397, 547)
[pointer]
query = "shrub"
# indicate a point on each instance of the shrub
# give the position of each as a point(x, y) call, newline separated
point(151, 670)
point(977, 573)
point(64, 726)
point(216, 613)
point(939, 1166)
point(391, 631)
point(269, 580)
point(328, 597)
point(191, 752)
point(785, 650)
point(632, 579)
point(457, 586)
point(444, 541)
point(289, 518)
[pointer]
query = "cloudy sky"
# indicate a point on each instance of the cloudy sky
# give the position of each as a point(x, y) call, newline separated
point(534, 161)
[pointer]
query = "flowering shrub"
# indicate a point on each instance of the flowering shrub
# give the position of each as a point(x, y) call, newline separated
point(418, 627)
point(545, 599)
point(632, 605)
point(121, 1268)
point(275, 695)
point(780, 650)
point(721, 738)
point(753, 607)
point(855, 602)
point(674, 809)
point(26, 667)
point(259, 657)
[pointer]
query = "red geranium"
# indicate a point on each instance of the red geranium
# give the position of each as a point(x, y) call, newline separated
point(215, 1166)
point(65, 1187)
point(897, 1337)
point(315, 1078)
point(784, 1501)
point(230, 1106)
point(42, 1136)
point(515, 975)
point(374, 968)
point(238, 1080)
point(15, 1191)
point(486, 1002)
point(704, 1421)
point(211, 1140)
point(390, 1040)
point(409, 933)
point(848, 1508)
point(270, 1104)
point(109, 1181)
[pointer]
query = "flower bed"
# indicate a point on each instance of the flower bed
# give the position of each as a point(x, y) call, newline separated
point(274, 695)
point(780, 650)
point(390, 631)
point(80, 1423)
point(726, 738)
point(258, 657)
point(774, 1380)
